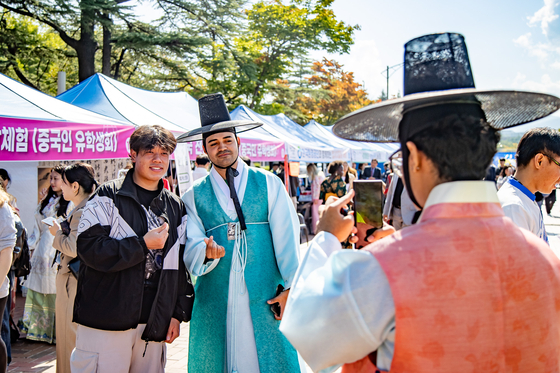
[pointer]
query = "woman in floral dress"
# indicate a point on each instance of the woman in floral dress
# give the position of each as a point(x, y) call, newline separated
point(334, 185)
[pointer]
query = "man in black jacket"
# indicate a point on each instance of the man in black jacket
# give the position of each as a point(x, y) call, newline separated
point(133, 288)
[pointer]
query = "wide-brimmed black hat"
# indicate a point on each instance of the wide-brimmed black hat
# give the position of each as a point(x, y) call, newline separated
point(214, 118)
point(437, 71)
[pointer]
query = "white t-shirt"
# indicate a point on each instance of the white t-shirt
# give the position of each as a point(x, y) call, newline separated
point(519, 205)
point(199, 173)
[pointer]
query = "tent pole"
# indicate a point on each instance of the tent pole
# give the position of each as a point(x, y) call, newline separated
point(287, 174)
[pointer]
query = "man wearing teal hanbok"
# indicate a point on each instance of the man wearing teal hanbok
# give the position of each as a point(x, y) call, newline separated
point(242, 242)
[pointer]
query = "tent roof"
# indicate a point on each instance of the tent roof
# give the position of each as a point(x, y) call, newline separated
point(176, 111)
point(282, 127)
point(20, 101)
point(325, 132)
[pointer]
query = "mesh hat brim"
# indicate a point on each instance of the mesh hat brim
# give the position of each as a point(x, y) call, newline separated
point(239, 125)
point(503, 109)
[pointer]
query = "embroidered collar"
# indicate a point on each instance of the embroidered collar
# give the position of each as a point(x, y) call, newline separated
point(514, 182)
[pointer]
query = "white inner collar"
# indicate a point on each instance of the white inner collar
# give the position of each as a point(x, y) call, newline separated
point(221, 183)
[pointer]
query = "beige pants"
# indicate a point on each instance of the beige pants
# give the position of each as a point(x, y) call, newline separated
point(65, 329)
point(104, 351)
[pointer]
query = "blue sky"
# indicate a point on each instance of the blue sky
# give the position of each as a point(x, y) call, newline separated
point(512, 44)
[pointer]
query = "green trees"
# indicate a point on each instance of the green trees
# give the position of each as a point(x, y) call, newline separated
point(276, 35)
point(255, 54)
point(85, 25)
point(32, 54)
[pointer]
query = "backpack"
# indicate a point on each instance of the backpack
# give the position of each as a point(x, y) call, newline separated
point(21, 258)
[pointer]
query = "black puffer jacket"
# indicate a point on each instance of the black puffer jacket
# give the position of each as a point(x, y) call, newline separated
point(113, 256)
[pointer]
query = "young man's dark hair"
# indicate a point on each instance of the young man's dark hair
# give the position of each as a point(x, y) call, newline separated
point(202, 160)
point(461, 146)
point(537, 140)
point(148, 137)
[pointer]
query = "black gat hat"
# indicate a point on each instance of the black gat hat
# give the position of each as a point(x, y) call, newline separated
point(214, 118)
point(437, 72)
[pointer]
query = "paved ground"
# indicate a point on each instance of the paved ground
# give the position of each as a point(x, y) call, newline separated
point(40, 357)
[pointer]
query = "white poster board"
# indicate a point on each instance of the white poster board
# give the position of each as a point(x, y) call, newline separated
point(183, 167)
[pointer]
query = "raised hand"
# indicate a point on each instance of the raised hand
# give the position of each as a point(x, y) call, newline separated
point(213, 250)
point(155, 239)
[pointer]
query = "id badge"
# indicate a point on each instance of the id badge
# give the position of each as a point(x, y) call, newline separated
point(231, 231)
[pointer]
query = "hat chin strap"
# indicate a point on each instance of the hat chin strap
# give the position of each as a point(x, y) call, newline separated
point(224, 168)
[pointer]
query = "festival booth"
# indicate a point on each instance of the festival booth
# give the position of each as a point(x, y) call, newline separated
point(38, 131)
point(360, 152)
point(175, 111)
point(300, 144)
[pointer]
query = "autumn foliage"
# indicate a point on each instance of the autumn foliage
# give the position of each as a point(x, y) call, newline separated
point(334, 94)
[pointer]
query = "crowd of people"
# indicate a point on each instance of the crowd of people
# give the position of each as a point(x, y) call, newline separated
point(439, 287)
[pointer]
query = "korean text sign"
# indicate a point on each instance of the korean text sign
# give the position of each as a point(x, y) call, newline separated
point(33, 140)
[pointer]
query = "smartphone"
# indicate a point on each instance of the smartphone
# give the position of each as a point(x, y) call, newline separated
point(49, 221)
point(368, 208)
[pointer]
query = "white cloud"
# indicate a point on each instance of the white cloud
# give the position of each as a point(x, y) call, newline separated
point(544, 16)
point(524, 40)
point(545, 85)
point(555, 65)
point(539, 50)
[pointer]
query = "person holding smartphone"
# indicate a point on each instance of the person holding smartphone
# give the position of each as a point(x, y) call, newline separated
point(39, 312)
point(451, 293)
point(78, 183)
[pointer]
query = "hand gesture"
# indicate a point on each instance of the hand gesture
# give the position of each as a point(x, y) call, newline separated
point(213, 250)
point(360, 240)
point(333, 221)
point(281, 299)
point(155, 239)
point(173, 331)
point(54, 228)
point(43, 194)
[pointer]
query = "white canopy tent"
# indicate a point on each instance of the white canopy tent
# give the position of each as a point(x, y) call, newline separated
point(37, 127)
point(301, 145)
point(360, 151)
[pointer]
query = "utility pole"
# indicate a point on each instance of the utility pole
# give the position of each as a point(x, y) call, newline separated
point(387, 82)
point(390, 71)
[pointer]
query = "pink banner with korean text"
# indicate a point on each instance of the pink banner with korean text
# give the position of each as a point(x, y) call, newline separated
point(256, 150)
point(38, 140)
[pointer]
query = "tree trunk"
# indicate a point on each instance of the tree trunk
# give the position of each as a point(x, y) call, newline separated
point(255, 99)
point(118, 64)
point(106, 58)
point(87, 45)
